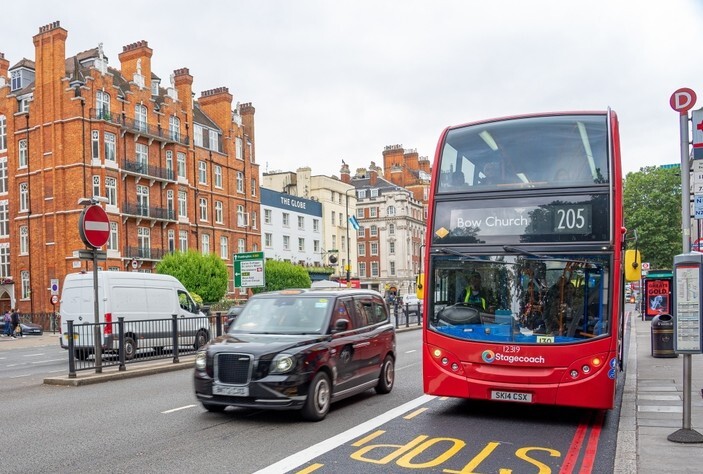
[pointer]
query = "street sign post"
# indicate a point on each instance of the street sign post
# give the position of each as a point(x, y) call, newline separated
point(249, 270)
point(94, 226)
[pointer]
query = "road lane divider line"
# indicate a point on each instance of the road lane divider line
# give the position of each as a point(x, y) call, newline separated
point(48, 360)
point(177, 409)
point(306, 455)
point(310, 468)
point(412, 415)
point(33, 355)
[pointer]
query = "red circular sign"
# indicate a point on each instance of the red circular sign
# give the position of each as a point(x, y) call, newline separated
point(94, 226)
point(683, 100)
point(54, 299)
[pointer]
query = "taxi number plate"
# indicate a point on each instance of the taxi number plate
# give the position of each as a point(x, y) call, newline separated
point(511, 396)
point(230, 391)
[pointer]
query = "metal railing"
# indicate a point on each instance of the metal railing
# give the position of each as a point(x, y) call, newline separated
point(404, 313)
point(139, 126)
point(137, 167)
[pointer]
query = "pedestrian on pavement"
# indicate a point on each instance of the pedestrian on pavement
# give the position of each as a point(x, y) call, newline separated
point(7, 318)
point(16, 328)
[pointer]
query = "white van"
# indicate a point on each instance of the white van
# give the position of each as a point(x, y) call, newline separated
point(140, 298)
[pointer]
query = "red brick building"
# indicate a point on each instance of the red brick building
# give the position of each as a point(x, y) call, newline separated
point(172, 172)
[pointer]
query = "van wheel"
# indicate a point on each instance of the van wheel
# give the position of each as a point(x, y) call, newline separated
point(387, 377)
point(317, 405)
point(130, 348)
point(81, 354)
point(201, 339)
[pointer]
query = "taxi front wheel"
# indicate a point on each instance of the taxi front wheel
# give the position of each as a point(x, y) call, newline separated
point(317, 405)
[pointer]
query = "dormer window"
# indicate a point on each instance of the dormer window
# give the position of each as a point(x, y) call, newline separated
point(16, 80)
point(155, 87)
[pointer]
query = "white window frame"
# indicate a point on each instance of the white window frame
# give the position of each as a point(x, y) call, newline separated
point(22, 158)
point(111, 190)
point(3, 175)
point(181, 164)
point(202, 172)
point(240, 182)
point(218, 176)
point(224, 247)
point(183, 204)
point(140, 117)
point(268, 239)
point(183, 240)
point(203, 209)
point(26, 286)
point(24, 198)
point(110, 147)
point(219, 212)
point(205, 244)
point(112, 241)
point(24, 240)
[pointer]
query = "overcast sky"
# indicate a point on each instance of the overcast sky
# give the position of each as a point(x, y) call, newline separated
point(335, 80)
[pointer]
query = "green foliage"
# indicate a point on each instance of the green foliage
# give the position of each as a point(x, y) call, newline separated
point(282, 275)
point(196, 297)
point(205, 275)
point(652, 206)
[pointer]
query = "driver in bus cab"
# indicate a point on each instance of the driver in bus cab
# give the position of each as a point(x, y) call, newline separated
point(474, 295)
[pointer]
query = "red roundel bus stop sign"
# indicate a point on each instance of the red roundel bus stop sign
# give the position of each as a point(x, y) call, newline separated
point(94, 226)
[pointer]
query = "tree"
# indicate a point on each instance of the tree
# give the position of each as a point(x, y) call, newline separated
point(652, 206)
point(205, 275)
point(282, 275)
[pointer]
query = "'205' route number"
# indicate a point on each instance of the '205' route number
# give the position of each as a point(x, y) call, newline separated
point(571, 219)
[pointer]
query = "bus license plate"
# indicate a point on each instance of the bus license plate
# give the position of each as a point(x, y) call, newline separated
point(230, 391)
point(511, 396)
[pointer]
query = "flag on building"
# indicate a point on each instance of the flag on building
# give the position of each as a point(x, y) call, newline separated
point(354, 223)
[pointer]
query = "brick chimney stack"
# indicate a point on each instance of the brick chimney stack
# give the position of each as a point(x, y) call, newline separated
point(345, 174)
point(217, 104)
point(50, 64)
point(183, 83)
point(4, 66)
point(136, 58)
point(373, 174)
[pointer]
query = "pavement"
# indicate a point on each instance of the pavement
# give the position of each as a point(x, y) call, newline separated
point(652, 407)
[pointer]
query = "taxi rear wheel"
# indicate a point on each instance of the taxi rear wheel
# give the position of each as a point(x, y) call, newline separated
point(387, 377)
point(317, 404)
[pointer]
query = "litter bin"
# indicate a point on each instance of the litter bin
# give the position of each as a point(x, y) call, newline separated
point(663, 336)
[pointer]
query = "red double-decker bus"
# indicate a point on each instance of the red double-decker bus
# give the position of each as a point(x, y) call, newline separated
point(523, 271)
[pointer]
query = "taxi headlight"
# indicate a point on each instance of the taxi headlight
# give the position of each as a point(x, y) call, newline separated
point(282, 364)
point(201, 360)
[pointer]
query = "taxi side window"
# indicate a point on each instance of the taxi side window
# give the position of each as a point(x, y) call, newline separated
point(363, 308)
point(342, 310)
point(379, 311)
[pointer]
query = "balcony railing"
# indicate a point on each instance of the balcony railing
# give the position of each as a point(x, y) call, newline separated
point(139, 126)
point(149, 212)
point(148, 170)
point(146, 253)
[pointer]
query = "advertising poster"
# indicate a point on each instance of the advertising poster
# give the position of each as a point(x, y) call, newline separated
point(657, 293)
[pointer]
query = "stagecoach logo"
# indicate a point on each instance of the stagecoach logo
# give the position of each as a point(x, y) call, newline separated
point(489, 357)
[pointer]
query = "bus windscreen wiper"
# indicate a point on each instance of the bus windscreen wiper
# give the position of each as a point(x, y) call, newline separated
point(525, 253)
point(520, 251)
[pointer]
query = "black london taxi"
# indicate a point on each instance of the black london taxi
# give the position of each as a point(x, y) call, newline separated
point(299, 349)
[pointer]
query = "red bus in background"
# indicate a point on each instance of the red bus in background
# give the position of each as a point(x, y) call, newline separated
point(523, 274)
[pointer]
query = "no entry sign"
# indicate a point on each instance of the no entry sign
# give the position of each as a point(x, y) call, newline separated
point(94, 226)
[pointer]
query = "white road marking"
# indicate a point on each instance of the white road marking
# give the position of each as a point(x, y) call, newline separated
point(33, 355)
point(300, 458)
point(178, 409)
point(48, 360)
point(410, 352)
point(20, 376)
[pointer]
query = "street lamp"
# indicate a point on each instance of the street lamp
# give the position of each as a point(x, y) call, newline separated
point(346, 195)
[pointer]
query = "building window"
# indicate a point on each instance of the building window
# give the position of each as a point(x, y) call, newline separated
point(301, 223)
point(374, 231)
point(110, 147)
point(391, 269)
point(360, 213)
point(391, 229)
point(203, 209)
point(361, 249)
point(198, 135)
point(111, 190)
point(286, 219)
point(3, 132)
point(374, 248)
point(202, 172)
point(334, 216)
point(373, 212)
point(26, 289)
point(238, 148)
point(5, 260)
point(144, 242)
point(183, 240)
point(361, 194)
point(169, 164)
point(374, 269)
point(268, 240)
point(174, 128)
point(4, 219)
point(253, 187)
point(22, 159)
point(254, 220)
point(267, 216)
point(96, 186)
point(112, 241)
point(316, 246)
point(214, 142)
point(362, 269)
point(316, 225)
point(286, 242)
point(95, 144)
point(218, 212)
point(301, 244)
point(205, 244)
point(241, 246)
point(170, 207)
point(361, 233)
point(142, 200)
point(390, 211)
point(182, 204)
point(24, 197)
point(140, 117)
point(373, 193)
point(102, 103)
point(218, 176)
point(241, 217)
point(3, 175)
point(391, 248)
point(224, 248)
point(142, 158)
point(240, 182)
point(24, 240)
point(181, 164)
point(15, 80)
point(171, 240)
